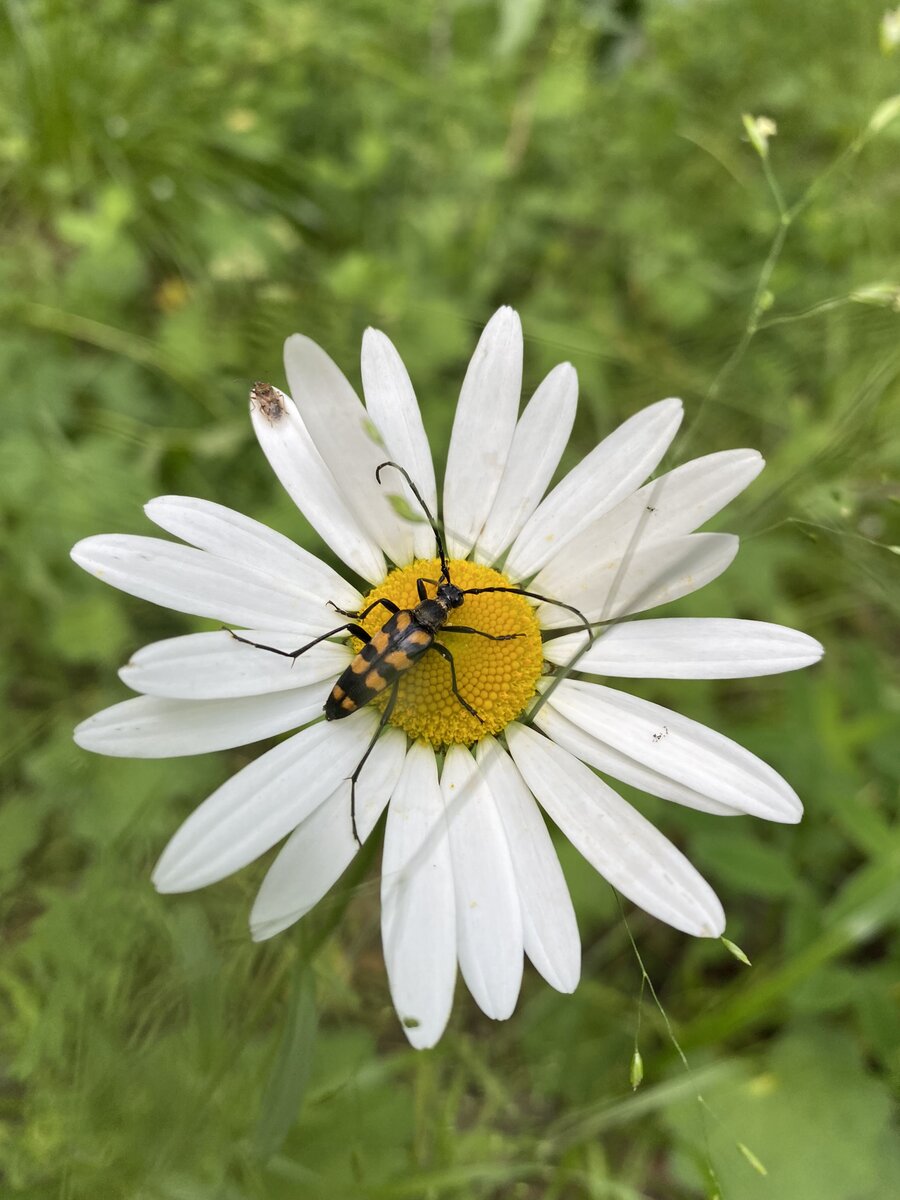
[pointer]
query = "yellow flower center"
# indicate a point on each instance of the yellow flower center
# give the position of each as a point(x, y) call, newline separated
point(496, 678)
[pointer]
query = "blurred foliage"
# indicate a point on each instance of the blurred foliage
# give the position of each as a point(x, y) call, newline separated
point(183, 184)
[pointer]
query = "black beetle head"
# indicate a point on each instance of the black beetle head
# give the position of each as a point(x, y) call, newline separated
point(450, 594)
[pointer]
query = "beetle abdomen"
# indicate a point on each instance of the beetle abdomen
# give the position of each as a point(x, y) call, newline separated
point(391, 651)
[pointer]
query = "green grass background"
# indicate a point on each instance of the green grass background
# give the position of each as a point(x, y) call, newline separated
point(185, 183)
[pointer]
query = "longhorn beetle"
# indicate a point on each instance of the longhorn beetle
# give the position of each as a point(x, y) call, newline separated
point(406, 635)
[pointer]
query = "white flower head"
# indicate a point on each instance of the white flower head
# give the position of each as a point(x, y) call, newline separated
point(467, 751)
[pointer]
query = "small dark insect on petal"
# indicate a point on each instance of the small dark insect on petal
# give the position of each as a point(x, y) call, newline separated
point(268, 400)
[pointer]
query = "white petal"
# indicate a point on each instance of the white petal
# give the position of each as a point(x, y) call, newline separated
point(322, 846)
point(679, 748)
point(391, 403)
point(618, 465)
point(488, 916)
point(152, 727)
point(337, 422)
point(551, 932)
point(294, 458)
point(674, 504)
point(266, 800)
point(483, 430)
point(540, 438)
point(690, 648)
point(192, 581)
point(231, 535)
point(601, 755)
point(615, 839)
point(214, 666)
point(418, 906)
point(606, 589)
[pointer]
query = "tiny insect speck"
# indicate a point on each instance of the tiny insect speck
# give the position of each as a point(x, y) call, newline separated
point(268, 400)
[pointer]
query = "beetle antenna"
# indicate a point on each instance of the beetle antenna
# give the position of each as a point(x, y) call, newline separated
point(445, 570)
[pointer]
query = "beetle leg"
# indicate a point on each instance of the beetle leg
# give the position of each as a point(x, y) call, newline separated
point(356, 630)
point(385, 717)
point(514, 591)
point(420, 587)
point(445, 654)
point(388, 604)
point(586, 624)
point(494, 637)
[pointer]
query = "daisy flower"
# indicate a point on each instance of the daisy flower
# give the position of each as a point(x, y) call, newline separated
point(469, 875)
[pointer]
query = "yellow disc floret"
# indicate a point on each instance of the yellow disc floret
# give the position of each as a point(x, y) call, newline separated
point(497, 678)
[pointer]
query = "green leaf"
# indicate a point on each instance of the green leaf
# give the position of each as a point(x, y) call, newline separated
point(752, 1159)
point(518, 21)
point(816, 1118)
point(734, 949)
point(292, 1068)
point(745, 862)
point(372, 432)
point(404, 509)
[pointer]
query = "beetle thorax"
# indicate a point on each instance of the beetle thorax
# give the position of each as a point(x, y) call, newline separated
point(432, 614)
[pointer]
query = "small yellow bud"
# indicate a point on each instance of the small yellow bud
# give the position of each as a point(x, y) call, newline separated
point(240, 120)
